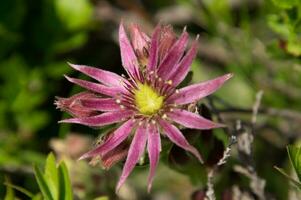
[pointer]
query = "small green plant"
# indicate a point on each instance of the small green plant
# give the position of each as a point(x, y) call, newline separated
point(54, 183)
point(294, 154)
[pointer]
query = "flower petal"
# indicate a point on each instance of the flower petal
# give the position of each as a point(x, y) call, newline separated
point(154, 49)
point(192, 120)
point(100, 120)
point(173, 56)
point(177, 137)
point(154, 148)
point(197, 91)
point(135, 152)
point(139, 39)
point(106, 77)
point(115, 155)
point(128, 57)
point(180, 71)
point(117, 137)
point(95, 87)
point(100, 104)
point(73, 105)
point(167, 40)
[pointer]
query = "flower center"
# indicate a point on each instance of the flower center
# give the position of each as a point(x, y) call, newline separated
point(147, 99)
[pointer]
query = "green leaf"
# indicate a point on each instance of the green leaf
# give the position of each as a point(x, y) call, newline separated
point(10, 195)
point(74, 14)
point(37, 197)
point(295, 158)
point(64, 183)
point(296, 183)
point(51, 175)
point(286, 4)
point(102, 198)
point(18, 188)
point(275, 22)
point(42, 183)
point(294, 46)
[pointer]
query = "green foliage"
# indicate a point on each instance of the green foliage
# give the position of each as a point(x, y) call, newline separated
point(294, 154)
point(10, 194)
point(54, 183)
point(288, 24)
point(74, 15)
point(295, 158)
point(285, 3)
point(10, 191)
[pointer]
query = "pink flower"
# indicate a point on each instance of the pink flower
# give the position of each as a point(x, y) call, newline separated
point(148, 104)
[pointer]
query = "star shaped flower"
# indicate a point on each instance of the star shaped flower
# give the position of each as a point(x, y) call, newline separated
point(148, 104)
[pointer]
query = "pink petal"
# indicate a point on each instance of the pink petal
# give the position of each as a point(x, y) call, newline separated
point(154, 148)
point(101, 104)
point(177, 137)
point(95, 87)
point(139, 39)
point(100, 120)
point(135, 152)
point(128, 57)
point(115, 155)
point(167, 40)
point(173, 56)
point(154, 49)
point(197, 91)
point(117, 138)
point(180, 71)
point(106, 77)
point(192, 120)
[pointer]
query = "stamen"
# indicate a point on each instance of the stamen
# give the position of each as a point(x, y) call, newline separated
point(118, 101)
point(164, 116)
point(169, 82)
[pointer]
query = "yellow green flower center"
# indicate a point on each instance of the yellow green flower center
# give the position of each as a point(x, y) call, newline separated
point(147, 100)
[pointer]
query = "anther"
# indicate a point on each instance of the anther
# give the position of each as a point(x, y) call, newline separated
point(118, 101)
point(164, 116)
point(177, 91)
point(140, 123)
point(171, 109)
point(153, 121)
point(122, 107)
point(169, 82)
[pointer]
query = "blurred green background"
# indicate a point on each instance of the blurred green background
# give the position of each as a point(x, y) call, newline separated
point(259, 41)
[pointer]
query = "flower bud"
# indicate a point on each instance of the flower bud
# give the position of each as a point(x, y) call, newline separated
point(73, 104)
